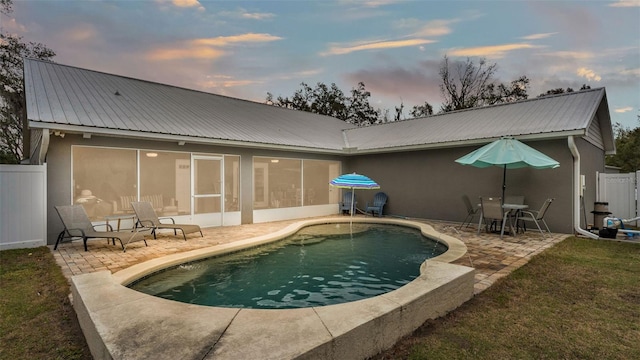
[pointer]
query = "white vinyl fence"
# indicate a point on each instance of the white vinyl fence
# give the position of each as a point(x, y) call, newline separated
point(621, 192)
point(23, 206)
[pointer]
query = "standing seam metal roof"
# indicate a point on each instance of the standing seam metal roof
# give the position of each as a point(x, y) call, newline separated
point(60, 96)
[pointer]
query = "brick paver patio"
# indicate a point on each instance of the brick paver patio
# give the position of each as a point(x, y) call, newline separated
point(491, 256)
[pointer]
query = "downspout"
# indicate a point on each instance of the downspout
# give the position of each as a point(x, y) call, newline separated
point(577, 189)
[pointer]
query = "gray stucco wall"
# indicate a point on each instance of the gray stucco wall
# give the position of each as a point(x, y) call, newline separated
point(429, 184)
point(59, 168)
point(591, 161)
point(424, 184)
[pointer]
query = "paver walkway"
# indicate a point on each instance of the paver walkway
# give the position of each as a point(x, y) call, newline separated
point(491, 256)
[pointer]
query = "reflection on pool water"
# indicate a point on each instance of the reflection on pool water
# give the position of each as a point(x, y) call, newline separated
point(319, 265)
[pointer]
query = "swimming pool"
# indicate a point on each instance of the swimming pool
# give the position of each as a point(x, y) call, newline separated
point(319, 265)
point(121, 323)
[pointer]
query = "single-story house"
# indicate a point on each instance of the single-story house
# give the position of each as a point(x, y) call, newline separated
point(217, 161)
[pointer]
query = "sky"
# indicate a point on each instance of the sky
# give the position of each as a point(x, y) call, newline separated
point(245, 49)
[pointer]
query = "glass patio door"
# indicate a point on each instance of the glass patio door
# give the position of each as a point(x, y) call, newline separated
point(206, 190)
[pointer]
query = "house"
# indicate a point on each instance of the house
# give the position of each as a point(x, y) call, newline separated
point(217, 161)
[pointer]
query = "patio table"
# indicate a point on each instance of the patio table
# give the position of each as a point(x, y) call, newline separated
point(119, 218)
point(509, 207)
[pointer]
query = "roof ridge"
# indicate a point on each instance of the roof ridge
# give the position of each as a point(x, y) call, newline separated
point(537, 98)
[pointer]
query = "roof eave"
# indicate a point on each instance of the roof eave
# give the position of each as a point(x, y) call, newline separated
point(181, 139)
point(460, 143)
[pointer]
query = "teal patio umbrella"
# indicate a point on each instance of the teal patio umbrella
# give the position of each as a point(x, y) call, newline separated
point(353, 181)
point(508, 153)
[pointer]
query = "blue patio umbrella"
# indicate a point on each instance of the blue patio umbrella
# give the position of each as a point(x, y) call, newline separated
point(353, 181)
point(508, 153)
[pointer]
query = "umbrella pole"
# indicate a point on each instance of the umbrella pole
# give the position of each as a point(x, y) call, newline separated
point(353, 197)
point(504, 182)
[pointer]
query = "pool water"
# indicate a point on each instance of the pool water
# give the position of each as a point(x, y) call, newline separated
point(319, 265)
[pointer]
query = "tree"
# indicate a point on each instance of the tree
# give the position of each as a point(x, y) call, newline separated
point(505, 94)
point(12, 109)
point(398, 112)
point(467, 85)
point(422, 110)
point(562, 91)
point(322, 100)
point(627, 156)
point(331, 101)
point(464, 86)
point(6, 6)
point(360, 112)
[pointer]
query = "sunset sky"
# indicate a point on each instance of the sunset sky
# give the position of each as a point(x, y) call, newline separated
point(245, 49)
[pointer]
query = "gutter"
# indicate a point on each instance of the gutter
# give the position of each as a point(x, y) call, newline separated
point(577, 189)
point(87, 131)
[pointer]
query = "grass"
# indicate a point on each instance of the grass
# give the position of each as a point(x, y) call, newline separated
point(37, 320)
point(577, 300)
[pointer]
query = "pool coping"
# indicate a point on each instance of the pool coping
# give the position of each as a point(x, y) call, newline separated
point(119, 322)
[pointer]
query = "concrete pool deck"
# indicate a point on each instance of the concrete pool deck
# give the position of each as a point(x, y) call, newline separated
point(133, 325)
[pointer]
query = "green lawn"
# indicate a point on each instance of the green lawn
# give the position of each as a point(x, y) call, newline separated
point(37, 320)
point(577, 300)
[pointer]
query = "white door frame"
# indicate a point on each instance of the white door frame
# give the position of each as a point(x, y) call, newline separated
point(208, 219)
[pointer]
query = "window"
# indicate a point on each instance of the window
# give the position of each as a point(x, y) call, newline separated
point(317, 174)
point(165, 181)
point(279, 182)
point(104, 180)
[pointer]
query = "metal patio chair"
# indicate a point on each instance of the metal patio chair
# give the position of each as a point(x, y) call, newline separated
point(148, 218)
point(472, 211)
point(537, 216)
point(78, 225)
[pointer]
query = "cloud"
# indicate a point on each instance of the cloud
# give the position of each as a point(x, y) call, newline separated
point(575, 55)
point(304, 74)
point(371, 3)
point(623, 109)
point(494, 51)
point(257, 16)
point(244, 14)
point(243, 38)
point(579, 24)
point(588, 74)
point(413, 85)
point(81, 32)
point(207, 48)
point(538, 36)
point(625, 3)
point(223, 81)
point(187, 3)
point(183, 3)
point(342, 50)
point(185, 53)
point(435, 28)
point(11, 26)
point(631, 72)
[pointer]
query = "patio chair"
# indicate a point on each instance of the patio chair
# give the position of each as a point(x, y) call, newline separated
point(514, 214)
point(379, 200)
point(493, 214)
point(472, 211)
point(77, 225)
point(537, 217)
point(346, 204)
point(148, 218)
